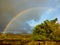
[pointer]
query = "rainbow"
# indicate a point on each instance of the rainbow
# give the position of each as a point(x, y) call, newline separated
point(21, 13)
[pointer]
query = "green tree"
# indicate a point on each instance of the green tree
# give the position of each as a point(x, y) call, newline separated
point(48, 30)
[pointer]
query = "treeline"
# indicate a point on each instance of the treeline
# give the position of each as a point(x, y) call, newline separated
point(46, 33)
point(48, 30)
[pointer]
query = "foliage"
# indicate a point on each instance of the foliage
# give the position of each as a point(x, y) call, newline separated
point(18, 39)
point(48, 30)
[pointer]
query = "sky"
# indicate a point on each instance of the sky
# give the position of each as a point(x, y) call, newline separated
point(10, 8)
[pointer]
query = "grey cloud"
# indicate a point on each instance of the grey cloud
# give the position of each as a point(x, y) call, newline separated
point(20, 25)
point(10, 8)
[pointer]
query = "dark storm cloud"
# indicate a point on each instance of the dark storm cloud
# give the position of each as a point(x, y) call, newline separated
point(10, 8)
point(21, 23)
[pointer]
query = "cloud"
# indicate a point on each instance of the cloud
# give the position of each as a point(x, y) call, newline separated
point(10, 8)
point(19, 23)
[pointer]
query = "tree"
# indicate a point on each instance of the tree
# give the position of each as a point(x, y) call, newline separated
point(48, 30)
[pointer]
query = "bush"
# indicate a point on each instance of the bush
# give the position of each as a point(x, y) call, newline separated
point(48, 30)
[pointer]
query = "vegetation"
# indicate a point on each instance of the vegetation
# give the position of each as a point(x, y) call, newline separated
point(48, 30)
point(17, 39)
point(46, 33)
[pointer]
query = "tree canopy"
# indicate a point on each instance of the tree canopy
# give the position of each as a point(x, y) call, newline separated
point(48, 30)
